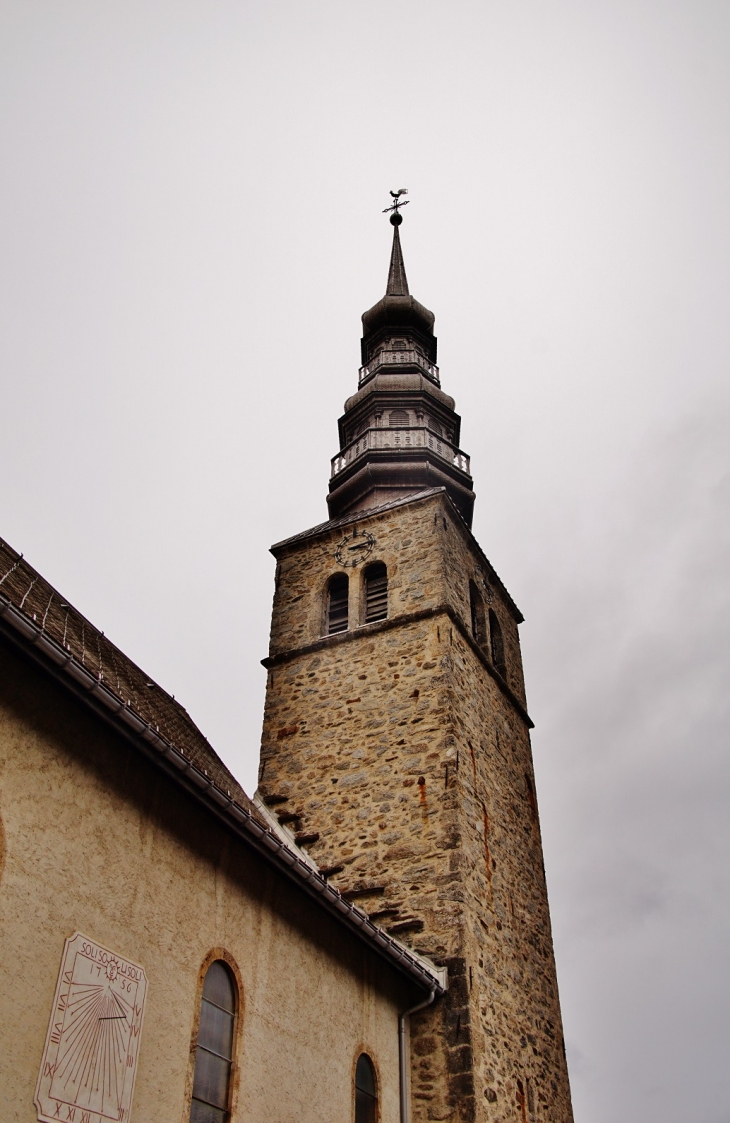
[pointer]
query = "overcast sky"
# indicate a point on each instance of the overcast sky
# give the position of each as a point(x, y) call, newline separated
point(190, 202)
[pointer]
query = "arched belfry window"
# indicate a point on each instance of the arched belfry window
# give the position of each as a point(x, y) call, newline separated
point(478, 620)
point(398, 419)
point(338, 592)
point(496, 644)
point(376, 592)
point(366, 1091)
point(214, 1054)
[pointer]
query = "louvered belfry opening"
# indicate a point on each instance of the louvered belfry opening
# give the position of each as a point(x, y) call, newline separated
point(376, 593)
point(478, 622)
point(337, 607)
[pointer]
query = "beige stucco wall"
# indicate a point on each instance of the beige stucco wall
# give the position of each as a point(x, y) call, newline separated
point(98, 840)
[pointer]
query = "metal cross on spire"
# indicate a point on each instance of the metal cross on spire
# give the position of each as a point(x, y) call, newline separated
point(396, 218)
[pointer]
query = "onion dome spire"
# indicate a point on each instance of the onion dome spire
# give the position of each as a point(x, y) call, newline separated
point(399, 433)
point(398, 313)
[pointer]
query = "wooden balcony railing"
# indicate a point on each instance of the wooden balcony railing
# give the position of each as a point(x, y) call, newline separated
point(399, 358)
point(402, 439)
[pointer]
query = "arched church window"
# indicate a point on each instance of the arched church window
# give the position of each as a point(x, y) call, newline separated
point(366, 1092)
point(214, 1052)
point(398, 419)
point(435, 427)
point(376, 592)
point(478, 620)
point(337, 604)
point(496, 644)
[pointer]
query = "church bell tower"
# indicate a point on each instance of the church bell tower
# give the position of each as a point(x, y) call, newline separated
point(396, 738)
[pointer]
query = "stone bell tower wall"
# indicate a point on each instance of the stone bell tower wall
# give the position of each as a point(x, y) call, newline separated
point(401, 759)
point(430, 554)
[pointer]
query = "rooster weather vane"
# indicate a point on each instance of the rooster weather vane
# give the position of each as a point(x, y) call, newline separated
point(396, 217)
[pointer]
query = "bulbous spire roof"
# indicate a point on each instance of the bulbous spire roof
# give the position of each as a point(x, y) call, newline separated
point(398, 311)
point(399, 433)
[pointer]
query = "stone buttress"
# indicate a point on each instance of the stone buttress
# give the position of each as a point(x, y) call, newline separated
point(398, 750)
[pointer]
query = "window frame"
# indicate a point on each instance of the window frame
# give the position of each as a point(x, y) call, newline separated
point(365, 1050)
point(478, 617)
point(234, 1079)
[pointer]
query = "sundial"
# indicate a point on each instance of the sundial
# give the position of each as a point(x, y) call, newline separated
point(90, 1057)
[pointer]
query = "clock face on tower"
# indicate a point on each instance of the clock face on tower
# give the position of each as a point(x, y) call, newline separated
point(354, 548)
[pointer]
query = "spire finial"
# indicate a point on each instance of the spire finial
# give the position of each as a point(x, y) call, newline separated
point(397, 280)
point(396, 218)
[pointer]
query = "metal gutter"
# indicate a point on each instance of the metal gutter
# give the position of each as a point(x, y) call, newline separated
point(403, 1073)
point(122, 717)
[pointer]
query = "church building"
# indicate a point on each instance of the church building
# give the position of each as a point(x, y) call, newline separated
point(367, 939)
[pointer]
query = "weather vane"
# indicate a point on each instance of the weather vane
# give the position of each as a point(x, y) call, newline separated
point(396, 217)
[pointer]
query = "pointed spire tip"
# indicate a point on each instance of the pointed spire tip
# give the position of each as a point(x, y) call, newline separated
point(397, 280)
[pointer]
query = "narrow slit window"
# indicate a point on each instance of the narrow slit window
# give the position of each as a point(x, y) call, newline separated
point(478, 621)
point(214, 1052)
point(496, 643)
point(376, 593)
point(366, 1092)
point(337, 606)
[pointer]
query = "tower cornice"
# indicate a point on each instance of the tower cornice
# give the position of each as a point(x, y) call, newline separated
point(366, 631)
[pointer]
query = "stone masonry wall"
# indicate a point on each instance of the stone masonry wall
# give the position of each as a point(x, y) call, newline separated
point(403, 764)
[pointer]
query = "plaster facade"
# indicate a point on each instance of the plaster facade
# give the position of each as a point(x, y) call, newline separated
point(97, 839)
point(404, 758)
